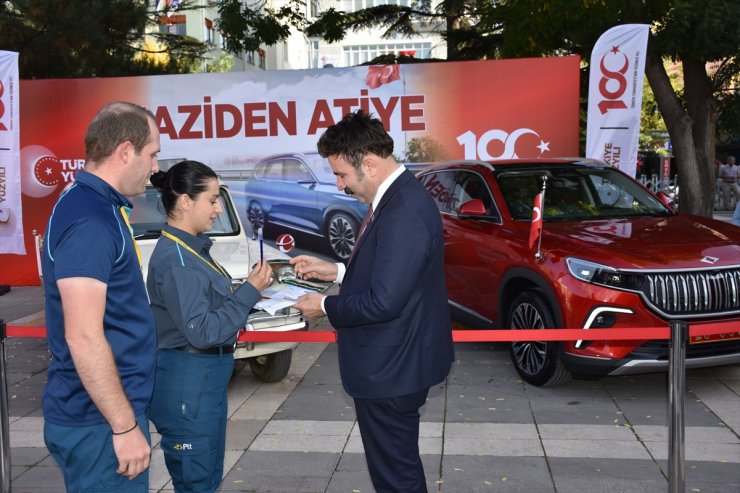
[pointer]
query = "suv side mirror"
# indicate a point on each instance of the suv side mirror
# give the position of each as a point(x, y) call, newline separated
point(473, 207)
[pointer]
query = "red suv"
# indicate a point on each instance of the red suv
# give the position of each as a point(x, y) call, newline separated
point(612, 255)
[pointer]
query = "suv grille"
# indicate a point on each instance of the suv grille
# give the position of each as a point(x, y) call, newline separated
point(694, 293)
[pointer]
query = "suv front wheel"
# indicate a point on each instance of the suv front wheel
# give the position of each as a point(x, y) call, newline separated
point(537, 362)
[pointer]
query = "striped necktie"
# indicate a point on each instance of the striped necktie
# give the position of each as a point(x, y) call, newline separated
point(365, 221)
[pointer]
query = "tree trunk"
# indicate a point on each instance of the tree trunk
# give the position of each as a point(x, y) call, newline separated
point(702, 109)
point(696, 186)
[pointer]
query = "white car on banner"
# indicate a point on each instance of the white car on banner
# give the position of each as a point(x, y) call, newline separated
point(269, 361)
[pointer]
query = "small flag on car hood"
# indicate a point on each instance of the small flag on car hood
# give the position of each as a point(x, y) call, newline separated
point(535, 228)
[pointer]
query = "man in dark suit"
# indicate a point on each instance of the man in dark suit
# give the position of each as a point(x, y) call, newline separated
point(391, 314)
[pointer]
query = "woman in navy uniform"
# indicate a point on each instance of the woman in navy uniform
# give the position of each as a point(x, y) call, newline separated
point(197, 315)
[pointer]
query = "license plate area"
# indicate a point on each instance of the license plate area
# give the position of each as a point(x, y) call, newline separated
point(706, 339)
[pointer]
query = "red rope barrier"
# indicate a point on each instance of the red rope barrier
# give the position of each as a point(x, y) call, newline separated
point(289, 336)
point(729, 329)
point(25, 331)
point(560, 334)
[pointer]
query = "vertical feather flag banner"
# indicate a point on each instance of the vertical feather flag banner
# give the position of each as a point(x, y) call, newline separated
point(615, 96)
point(11, 217)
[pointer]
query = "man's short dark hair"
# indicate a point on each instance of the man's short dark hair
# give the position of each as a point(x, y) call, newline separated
point(354, 137)
point(115, 123)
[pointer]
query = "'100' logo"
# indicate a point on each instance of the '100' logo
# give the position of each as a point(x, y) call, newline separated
point(3, 128)
point(612, 101)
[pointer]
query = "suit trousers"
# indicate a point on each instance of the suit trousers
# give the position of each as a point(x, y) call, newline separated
point(389, 428)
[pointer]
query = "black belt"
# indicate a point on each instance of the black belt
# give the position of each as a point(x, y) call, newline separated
point(211, 350)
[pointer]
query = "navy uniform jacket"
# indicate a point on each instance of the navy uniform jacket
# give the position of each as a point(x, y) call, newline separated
point(192, 302)
point(392, 319)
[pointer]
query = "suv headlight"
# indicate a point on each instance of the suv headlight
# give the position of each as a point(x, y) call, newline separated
point(603, 275)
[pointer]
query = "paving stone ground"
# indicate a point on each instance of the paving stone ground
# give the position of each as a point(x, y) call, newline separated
point(483, 429)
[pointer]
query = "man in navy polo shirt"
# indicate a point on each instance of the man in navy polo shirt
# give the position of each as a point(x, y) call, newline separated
point(100, 327)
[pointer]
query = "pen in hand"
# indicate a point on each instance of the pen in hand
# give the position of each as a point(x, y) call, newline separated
point(261, 238)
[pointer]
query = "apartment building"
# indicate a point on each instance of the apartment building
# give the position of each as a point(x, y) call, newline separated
point(298, 51)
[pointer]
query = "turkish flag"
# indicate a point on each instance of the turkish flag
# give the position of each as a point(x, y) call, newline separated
point(378, 75)
point(536, 227)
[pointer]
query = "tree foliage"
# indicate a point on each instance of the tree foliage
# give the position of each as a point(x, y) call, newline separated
point(246, 25)
point(91, 38)
point(467, 26)
point(96, 38)
point(424, 149)
point(689, 33)
point(652, 127)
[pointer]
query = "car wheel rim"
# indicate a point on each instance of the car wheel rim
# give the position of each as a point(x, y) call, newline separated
point(530, 356)
point(341, 237)
point(256, 216)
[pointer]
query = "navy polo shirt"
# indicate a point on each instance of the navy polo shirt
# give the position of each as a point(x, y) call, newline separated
point(87, 237)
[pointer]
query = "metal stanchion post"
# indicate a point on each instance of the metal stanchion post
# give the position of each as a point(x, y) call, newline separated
point(5, 430)
point(676, 397)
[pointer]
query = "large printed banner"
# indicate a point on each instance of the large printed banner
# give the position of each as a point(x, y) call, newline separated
point(615, 96)
point(487, 110)
point(11, 218)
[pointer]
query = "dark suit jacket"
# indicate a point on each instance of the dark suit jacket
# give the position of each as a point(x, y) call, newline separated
point(392, 318)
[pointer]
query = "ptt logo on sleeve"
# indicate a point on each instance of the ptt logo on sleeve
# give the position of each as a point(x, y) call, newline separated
point(182, 446)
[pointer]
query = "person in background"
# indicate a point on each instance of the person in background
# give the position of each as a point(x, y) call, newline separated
point(728, 181)
point(391, 314)
point(197, 315)
point(99, 325)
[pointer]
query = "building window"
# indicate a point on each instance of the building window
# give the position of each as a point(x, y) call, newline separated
point(314, 9)
point(358, 54)
point(250, 57)
point(209, 34)
point(355, 5)
point(313, 54)
point(173, 24)
point(262, 58)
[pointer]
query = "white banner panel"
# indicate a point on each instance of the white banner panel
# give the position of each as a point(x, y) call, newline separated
point(11, 219)
point(615, 96)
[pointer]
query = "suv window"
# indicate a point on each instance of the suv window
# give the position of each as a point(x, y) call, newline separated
point(148, 217)
point(577, 193)
point(270, 171)
point(469, 186)
point(320, 167)
point(295, 171)
point(440, 186)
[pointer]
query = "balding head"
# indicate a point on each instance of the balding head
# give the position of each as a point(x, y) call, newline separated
point(115, 123)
